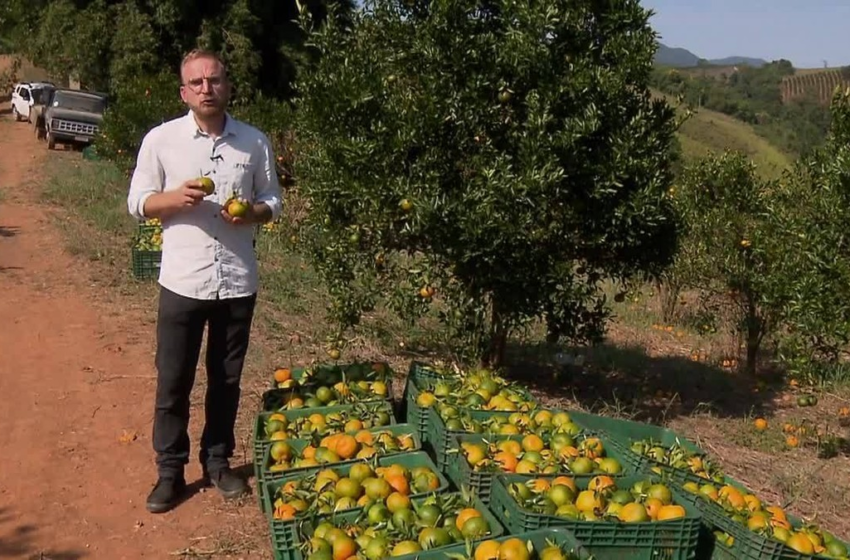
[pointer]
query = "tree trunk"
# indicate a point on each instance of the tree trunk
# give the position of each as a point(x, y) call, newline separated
point(495, 355)
point(670, 290)
point(755, 332)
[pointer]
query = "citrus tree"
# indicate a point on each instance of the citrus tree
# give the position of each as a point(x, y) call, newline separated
point(138, 104)
point(728, 253)
point(499, 159)
point(810, 227)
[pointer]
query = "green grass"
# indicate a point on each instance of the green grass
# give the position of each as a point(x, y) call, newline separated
point(95, 194)
point(709, 131)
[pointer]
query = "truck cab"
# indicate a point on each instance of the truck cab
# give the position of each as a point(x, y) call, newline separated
point(72, 116)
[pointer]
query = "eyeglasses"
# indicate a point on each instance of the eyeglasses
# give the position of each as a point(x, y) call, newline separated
point(195, 84)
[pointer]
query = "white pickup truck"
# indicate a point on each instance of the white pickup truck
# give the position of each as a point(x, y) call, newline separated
point(27, 95)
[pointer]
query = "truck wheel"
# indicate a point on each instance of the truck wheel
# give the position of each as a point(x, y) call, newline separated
point(15, 114)
point(51, 141)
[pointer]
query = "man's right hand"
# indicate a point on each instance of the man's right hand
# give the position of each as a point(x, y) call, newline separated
point(164, 204)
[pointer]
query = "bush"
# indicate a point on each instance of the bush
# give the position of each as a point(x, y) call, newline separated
point(503, 158)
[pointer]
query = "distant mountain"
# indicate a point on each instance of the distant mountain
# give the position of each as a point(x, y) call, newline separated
point(683, 58)
point(738, 60)
point(676, 57)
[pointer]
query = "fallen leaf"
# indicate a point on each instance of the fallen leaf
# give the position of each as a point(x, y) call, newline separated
point(128, 437)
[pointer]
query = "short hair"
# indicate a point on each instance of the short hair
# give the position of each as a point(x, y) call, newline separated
point(195, 54)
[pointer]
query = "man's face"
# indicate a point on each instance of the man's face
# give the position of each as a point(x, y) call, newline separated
point(205, 88)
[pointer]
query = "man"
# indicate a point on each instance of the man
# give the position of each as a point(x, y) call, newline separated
point(208, 276)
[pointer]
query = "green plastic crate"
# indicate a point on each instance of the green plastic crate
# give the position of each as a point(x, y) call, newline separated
point(626, 431)
point(564, 539)
point(440, 438)
point(146, 264)
point(260, 443)
point(480, 482)
point(419, 415)
point(710, 548)
point(259, 433)
point(335, 372)
point(623, 432)
point(275, 400)
point(421, 383)
point(395, 429)
point(676, 539)
point(421, 370)
point(410, 460)
point(749, 545)
point(414, 414)
point(287, 545)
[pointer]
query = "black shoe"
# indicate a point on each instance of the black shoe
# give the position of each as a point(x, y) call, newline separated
point(227, 483)
point(165, 494)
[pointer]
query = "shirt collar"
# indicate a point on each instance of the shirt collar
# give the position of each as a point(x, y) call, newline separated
point(192, 126)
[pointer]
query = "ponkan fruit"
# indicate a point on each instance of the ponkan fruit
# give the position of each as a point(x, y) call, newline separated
point(207, 185)
point(237, 207)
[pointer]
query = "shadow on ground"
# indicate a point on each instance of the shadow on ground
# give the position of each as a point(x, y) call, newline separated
point(18, 541)
point(625, 380)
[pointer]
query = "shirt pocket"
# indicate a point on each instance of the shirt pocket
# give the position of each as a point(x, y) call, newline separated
point(239, 177)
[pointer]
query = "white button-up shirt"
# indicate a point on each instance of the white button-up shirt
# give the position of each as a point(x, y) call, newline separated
point(203, 256)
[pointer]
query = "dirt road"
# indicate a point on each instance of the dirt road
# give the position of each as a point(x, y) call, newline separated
point(76, 376)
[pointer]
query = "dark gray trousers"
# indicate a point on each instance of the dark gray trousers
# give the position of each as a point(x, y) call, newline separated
point(180, 329)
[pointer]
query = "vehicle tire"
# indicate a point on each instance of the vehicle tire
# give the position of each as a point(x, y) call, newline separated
point(15, 114)
point(51, 141)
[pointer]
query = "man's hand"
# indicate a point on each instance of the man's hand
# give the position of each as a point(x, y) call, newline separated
point(254, 214)
point(189, 194)
point(164, 204)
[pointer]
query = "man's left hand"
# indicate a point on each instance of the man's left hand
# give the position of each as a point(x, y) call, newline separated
point(254, 214)
point(247, 218)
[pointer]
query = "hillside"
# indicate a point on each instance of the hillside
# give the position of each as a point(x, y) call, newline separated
point(819, 85)
point(709, 131)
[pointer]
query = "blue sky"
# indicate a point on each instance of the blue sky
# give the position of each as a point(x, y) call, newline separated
point(806, 32)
